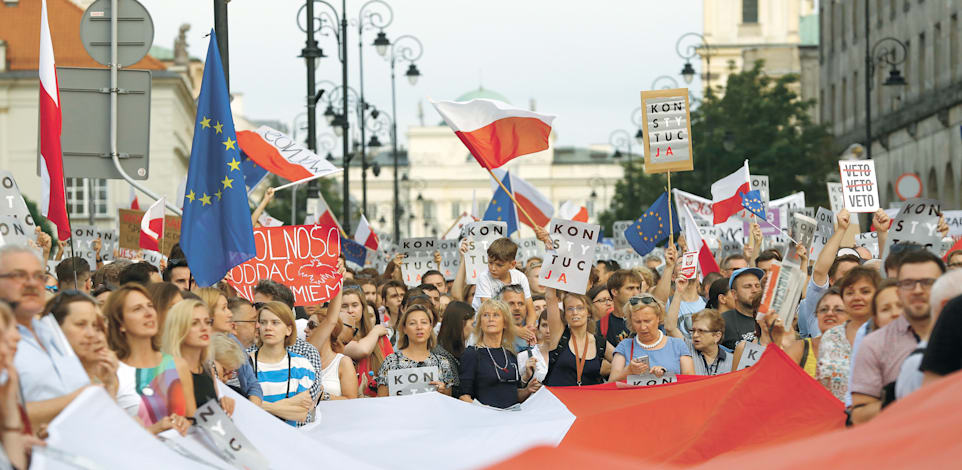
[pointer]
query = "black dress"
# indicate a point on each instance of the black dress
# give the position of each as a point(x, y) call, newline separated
point(203, 388)
point(563, 366)
point(492, 379)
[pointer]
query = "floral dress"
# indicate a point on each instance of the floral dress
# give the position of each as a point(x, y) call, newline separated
point(834, 365)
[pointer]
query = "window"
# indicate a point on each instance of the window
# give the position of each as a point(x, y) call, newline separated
point(456, 209)
point(855, 94)
point(936, 52)
point(78, 197)
point(844, 100)
point(821, 36)
point(841, 23)
point(855, 28)
point(833, 103)
point(954, 48)
point(892, 9)
point(749, 11)
point(878, 12)
point(921, 67)
point(821, 104)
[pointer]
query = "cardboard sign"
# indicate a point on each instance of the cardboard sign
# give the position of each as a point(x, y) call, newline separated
point(917, 222)
point(479, 236)
point(701, 208)
point(750, 355)
point(689, 265)
point(667, 137)
point(859, 187)
point(226, 439)
point(836, 198)
point(567, 267)
point(783, 289)
point(413, 380)
point(869, 240)
point(129, 225)
point(418, 258)
point(13, 206)
point(803, 231)
point(649, 379)
point(760, 182)
point(83, 240)
point(302, 257)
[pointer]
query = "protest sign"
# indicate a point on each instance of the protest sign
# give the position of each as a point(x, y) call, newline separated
point(803, 231)
point(701, 208)
point(783, 289)
point(689, 265)
point(869, 240)
point(479, 236)
point(13, 206)
point(667, 136)
point(750, 356)
point(302, 257)
point(418, 258)
point(859, 188)
point(267, 221)
point(954, 220)
point(449, 258)
point(649, 379)
point(760, 183)
point(354, 252)
point(567, 267)
point(226, 439)
point(129, 224)
point(627, 258)
point(618, 237)
point(413, 380)
point(794, 202)
point(917, 222)
point(772, 228)
point(836, 199)
point(83, 240)
point(529, 248)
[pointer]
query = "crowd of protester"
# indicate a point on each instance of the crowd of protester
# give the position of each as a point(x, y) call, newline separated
point(870, 331)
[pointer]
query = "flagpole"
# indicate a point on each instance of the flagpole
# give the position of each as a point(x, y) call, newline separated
point(515, 201)
point(671, 228)
point(771, 225)
point(309, 178)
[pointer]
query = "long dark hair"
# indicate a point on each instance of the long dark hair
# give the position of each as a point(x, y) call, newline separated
point(451, 335)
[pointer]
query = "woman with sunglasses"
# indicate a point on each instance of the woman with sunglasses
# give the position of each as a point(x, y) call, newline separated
point(154, 386)
point(415, 341)
point(649, 350)
point(285, 377)
point(577, 351)
point(82, 324)
point(368, 345)
point(187, 332)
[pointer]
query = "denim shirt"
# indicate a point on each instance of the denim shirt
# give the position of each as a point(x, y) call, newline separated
point(247, 382)
point(47, 365)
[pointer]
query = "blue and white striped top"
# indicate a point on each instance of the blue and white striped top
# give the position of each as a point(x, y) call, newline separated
point(279, 382)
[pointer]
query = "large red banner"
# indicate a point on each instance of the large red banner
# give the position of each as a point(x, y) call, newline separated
point(302, 257)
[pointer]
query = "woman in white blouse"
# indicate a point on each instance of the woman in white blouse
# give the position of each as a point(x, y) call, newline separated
point(538, 355)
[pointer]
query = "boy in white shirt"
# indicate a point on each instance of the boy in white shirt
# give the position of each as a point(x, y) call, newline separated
point(501, 272)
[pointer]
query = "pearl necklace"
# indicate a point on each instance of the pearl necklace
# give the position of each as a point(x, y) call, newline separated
point(649, 346)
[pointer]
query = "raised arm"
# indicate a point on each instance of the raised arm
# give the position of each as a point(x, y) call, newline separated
point(663, 288)
point(321, 336)
point(825, 259)
point(460, 279)
point(268, 196)
point(671, 317)
point(882, 223)
point(556, 325)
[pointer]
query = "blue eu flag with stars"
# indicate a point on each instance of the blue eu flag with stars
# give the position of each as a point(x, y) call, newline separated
point(216, 232)
point(652, 227)
point(752, 202)
point(502, 208)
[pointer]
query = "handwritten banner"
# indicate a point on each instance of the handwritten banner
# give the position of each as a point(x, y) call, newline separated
point(479, 236)
point(302, 257)
point(129, 225)
point(568, 266)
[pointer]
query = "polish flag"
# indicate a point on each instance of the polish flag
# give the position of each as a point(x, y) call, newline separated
point(455, 231)
point(134, 203)
point(571, 211)
point(496, 132)
point(365, 235)
point(324, 216)
point(152, 226)
point(695, 243)
point(283, 156)
point(726, 194)
point(534, 203)
point(54, 203)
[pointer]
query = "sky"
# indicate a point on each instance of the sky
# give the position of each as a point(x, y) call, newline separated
point(585, 62)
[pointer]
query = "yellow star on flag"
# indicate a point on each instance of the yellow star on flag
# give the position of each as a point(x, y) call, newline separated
point(234, 164)
point(191, 196)
point(218, 127)
point(218, 194)
point(229, 144)
point(227, 182)
point(205, 200)
point(205, 123)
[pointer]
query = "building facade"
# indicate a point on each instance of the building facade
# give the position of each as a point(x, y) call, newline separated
point(916, 127)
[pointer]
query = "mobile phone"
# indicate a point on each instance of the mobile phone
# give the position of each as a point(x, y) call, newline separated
point(641, 359)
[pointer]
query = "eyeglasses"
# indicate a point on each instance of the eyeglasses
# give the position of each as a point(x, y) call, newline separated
point(602, 301)
point(259, 305)
point(644, 299)
point(703, 331)
point(909, 284)
point(954, 265)
point(836, 310)
point(575, 309)
point(22, 276)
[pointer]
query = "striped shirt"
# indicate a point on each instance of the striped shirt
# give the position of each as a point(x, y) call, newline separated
point(280, 381)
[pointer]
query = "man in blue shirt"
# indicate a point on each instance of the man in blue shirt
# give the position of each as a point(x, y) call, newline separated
point(245, 333)
point(51, 375)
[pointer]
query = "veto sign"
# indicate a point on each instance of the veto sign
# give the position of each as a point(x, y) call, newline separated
point(413, 380)
point(479, 236)
point(302, 257)
point(129, 224)
point(568, 265)
point(667, 120)
point(859, 186)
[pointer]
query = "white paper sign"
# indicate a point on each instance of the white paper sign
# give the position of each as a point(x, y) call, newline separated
point(227, 440)
point(14, 231)
point(649, 379)
point(567, 267)
point(859, 187)
point(835, 197)
point(917, 222)
point(84, 237)
point(529, 248)
point(479, 236)
point(12, 205)
point(449, 258)
point(954, 219)
point(751, 355)
point(760, 182)
point(619, 227)
point(689, 265)
point(701, 208)
point(418, 258)
point(413, 380)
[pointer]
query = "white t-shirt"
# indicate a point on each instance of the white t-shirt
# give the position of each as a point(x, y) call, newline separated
point(127, 396)
point(330, 378)
point(540, 367)
point(489, 287)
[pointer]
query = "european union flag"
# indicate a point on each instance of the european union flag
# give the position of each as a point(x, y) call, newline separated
point(752, 202)
point(502, 208)
point(216, 232)
point(353, 251)
point(253, 173)
point(652, 227)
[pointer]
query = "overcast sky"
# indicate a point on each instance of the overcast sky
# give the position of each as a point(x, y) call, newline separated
point(583, 61)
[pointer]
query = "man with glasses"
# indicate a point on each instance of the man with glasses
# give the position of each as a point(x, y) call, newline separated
point(51, 376)
point(740, 321)
point(245, 333)
point(881, 353)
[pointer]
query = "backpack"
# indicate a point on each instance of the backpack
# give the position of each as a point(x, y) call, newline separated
point(601, 345)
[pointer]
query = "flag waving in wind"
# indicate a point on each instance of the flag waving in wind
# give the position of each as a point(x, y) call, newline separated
point(496, 132)
point(695, 243)
point(216, 232)
point(501, 209)
point(752, 202)
point(365, 234)
point(283, 156)
point(652, 227)
point(530, 200)
point(54, 203)
point(726, 194)
point(152, 226)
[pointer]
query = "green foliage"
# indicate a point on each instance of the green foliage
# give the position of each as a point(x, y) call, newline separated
point(40, 220)
point(768, 124)
point(280, 207)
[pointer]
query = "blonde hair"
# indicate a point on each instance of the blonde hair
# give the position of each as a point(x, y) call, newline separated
point(210, 296)
point(177, 325)
point(508, 333)
point(402, 337)
point(656, 306)
point(226, 351)
point(284, 313)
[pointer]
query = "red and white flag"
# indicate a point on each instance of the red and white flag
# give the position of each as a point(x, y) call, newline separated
point(530, 199)
point(726, 194)
point(572, 211)
point(695, 243)
point(365, 234)
point(54, 202)
point(324, 216)
point(134, 203)
point(283, 156)
point(455, 231)
point(152, 226)
point(496, 132)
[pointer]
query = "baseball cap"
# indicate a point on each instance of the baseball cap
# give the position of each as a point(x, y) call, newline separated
point(738, 272)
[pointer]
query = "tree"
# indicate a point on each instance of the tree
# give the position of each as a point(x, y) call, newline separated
point(45, 224)
point(764, 121)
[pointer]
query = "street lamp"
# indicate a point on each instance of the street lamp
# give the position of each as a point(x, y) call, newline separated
point(621, 138)
point(887, 51)
point(690, 51)
point(405, 48)
point(668, 82)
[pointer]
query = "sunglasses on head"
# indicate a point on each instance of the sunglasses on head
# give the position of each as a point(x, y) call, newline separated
point(643, 299)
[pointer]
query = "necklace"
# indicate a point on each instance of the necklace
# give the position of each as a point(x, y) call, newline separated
point(649, 346)
point(580, 361)
point(496, 365)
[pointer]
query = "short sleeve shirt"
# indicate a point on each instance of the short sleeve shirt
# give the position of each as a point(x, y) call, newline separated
point(398, 360)
point(47, 365)
point(668, 356)
point(489, 287)
point(880, 357)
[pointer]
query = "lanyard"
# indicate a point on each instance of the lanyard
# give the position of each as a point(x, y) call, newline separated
point(580, 361)
point(288, 392)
